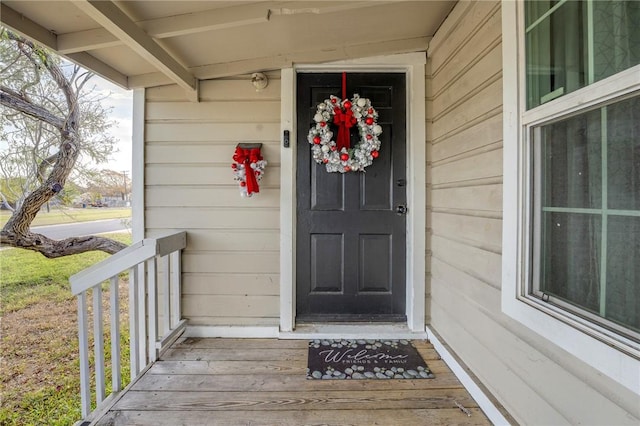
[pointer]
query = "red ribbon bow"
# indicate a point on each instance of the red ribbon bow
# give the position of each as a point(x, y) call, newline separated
point(248, 156)
point(344, 120)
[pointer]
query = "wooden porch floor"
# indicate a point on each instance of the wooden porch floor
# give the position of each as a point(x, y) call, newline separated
point(263, 382)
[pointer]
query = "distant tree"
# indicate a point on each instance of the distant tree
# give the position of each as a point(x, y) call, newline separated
point(52, 125)
point(109, 183)
point(70, 194)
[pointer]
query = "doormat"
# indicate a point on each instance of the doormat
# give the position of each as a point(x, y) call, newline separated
point(365, 359)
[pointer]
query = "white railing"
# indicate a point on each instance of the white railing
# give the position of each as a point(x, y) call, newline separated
point(155, 318)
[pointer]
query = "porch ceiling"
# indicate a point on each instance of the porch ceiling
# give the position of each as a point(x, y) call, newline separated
point(142, 43)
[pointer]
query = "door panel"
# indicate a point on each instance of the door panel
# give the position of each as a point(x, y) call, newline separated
point(350, 243)
point(330, 248)
point(375, 263)
point(327, 190)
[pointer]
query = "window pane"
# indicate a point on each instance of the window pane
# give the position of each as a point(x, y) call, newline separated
point(569, 260)
point(623, 271)
point(623, 139)
point(555, 54)
point(616, 36)
point(575, 43)
point(572, 162)
point(535, 9)
point(588, 247)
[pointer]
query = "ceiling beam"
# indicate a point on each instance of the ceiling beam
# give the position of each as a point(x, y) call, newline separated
point(339, 53)
point(97, 66)
point(208, 20)
point(114, 20)
point(248, 66)
point(170, 26)
point(42, 36)
point(81, 41)
point(151, 79)
point(324, 7)
point(27, 27)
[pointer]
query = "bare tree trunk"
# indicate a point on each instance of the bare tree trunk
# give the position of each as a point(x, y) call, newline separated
point(16, 231)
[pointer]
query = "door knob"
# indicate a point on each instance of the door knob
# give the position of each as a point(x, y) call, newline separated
point(401, 210)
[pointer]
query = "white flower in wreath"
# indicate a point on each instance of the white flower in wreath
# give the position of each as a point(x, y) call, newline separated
point(240, 174)
point(323, 146)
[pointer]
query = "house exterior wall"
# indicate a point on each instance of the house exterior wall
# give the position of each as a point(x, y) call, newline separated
point(231, 264)
point(536, 381)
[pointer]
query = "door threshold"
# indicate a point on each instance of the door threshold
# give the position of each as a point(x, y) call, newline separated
point(353, 331)
point(350, 319)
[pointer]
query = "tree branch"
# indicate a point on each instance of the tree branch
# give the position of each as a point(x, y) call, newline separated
point(53, 249)
point(15, 101)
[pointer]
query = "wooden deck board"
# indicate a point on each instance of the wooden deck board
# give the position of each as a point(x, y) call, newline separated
point(202, 343)
point(263, 382)
point(215, 354)
point(445, 416)
point(220, 343)
point(313, 400)
point(251, 367)
point(198, 354)
point(292, 382)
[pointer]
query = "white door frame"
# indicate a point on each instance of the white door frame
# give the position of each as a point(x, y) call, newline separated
point(413, 64)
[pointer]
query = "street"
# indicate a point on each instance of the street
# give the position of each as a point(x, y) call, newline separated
point(58, 232)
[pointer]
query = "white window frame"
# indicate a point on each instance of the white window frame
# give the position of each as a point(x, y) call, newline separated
point(613, 355)
point(616, 331)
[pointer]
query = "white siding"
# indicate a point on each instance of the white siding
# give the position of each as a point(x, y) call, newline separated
point(230, 267)
point(536, 381)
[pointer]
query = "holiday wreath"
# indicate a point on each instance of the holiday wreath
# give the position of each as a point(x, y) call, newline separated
point(337, 155)
point(248, 168)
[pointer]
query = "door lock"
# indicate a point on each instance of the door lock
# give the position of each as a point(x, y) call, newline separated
point(401, 210)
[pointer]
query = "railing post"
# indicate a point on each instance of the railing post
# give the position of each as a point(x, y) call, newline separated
point(83, 344)
point(152, 294)
point(166, 295)
point(176, 273)
point(98, 343)
point(116, 373)
point(142, 315)
point(134, 331)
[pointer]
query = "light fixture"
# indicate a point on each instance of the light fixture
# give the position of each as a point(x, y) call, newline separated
point(259, 81)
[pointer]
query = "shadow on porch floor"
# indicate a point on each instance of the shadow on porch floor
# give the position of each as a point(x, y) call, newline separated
point(263, 382)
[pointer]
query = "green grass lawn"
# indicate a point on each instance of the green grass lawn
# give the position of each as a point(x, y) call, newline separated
point(39, 378)
point(67, 215)
point(27, 277)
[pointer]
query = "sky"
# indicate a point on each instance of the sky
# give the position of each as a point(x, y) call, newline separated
point(121, 102)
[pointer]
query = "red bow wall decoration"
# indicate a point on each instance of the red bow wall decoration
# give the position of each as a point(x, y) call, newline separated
point(248, 167)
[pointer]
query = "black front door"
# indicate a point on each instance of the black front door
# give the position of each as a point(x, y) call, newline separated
point(350, 239)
